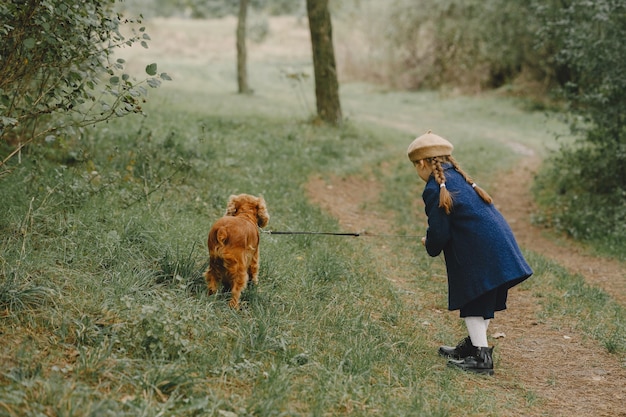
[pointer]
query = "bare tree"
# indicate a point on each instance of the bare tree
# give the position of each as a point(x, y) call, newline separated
point(326, 84)
point(242, 70)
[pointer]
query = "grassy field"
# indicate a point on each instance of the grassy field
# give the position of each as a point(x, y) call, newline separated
point(103, 310)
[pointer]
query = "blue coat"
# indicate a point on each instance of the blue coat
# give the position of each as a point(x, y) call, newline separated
point(479, 247)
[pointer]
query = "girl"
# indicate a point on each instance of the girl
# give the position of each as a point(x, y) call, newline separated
point(482, 257)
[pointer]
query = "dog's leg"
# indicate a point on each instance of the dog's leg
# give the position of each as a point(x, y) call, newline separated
point(253, 270)
point(240, 281)
point(211, 280)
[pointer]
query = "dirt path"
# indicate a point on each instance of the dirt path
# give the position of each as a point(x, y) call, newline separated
point(568, 374)
point(516, 204)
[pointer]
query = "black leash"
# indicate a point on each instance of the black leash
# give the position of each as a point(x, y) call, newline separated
point(355, 234)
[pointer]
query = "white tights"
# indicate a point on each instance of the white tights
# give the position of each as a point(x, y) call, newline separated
point(477, 328)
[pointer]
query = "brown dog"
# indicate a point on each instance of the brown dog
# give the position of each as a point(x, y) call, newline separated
point(234, 246)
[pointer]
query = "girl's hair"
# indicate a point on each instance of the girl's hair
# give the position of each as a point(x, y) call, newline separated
point(445, 198)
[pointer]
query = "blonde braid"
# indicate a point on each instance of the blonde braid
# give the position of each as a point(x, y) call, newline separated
point(482, 193)
point(445, 198)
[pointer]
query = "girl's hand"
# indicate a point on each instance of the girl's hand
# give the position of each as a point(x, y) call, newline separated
point(423, 241)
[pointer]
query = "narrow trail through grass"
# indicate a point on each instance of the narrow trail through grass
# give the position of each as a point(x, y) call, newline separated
point(563, 372)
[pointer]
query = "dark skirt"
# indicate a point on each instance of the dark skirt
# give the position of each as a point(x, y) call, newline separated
point(487, 304)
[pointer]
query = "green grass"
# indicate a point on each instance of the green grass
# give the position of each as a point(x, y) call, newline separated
point(102, 304)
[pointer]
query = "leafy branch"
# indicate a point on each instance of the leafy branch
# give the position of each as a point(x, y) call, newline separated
point(57, 71)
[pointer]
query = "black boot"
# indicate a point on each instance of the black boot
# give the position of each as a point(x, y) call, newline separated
point(461, 351)
point(480, 362)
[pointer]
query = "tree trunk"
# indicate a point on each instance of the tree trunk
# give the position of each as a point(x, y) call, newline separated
point(326, 84)
point(242, 71)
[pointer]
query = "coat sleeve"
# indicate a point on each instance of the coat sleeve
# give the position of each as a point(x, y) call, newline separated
point(438, 233)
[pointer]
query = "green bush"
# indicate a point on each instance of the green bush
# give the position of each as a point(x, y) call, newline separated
point(429, 44)
point(58, 72)
point(585, 188)
point(572, 200)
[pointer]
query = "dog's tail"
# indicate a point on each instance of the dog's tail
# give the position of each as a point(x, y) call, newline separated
point(218, 240)
point(222, 235)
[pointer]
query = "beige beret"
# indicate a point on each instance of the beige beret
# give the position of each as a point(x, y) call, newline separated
point(429, 145)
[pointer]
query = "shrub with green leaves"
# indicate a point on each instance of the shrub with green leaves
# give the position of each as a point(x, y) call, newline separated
point(57, 69)
point(585, 188)
point(471, 45)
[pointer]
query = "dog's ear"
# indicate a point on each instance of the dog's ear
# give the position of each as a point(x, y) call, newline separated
point(232, 206)
point(262, 215)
